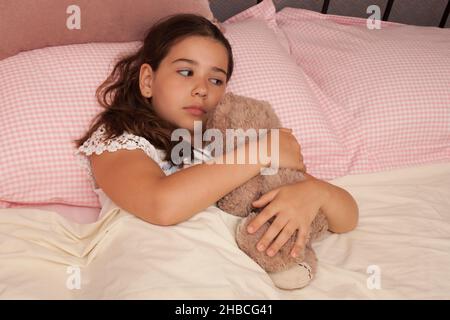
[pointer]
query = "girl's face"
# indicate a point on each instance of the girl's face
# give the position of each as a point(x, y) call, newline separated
point(192, 74)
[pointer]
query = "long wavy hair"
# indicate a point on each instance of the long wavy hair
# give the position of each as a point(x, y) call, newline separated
point(125, 107)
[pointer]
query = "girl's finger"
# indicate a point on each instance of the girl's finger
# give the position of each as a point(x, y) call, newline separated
point(265, 198)
point(300, 243)
point(282, 238)
point(264, 216)
point(274, 229)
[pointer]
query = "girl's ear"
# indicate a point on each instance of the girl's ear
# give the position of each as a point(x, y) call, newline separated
point(145, 80)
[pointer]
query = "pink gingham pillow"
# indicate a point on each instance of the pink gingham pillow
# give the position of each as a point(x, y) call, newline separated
point(265, 71)
point(265, 11)
point(48, 100)
point(386, 92)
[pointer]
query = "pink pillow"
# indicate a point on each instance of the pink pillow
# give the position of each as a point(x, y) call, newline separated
point(266, 12)
point(48, 100)
point(385, 93)
point(264, 70)
point(31, 24)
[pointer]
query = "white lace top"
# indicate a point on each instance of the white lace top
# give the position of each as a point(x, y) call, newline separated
point(98, 143)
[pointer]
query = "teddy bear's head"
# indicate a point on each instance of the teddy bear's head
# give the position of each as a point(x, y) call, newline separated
point(235, 111)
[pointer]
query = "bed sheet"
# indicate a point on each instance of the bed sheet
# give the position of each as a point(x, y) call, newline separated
point(76, 214)
point(400, 250)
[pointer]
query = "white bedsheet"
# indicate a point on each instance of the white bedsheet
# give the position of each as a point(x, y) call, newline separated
point(403, 234)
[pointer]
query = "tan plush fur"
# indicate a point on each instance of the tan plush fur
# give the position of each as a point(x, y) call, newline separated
point(235, 112)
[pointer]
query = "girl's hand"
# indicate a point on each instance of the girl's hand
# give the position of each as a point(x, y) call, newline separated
point(295, 207)
point(289, 150)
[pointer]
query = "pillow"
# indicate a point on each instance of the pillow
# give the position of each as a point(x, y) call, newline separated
point(48, 100)
point(385, 93)
point(30, 24)
point(265, 11)
point(265, 71)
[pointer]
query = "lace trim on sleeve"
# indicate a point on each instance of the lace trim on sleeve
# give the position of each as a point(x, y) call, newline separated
point(98, 144)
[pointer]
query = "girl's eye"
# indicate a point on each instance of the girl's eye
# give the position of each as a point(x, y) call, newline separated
point(184, 71)
point(217, 82)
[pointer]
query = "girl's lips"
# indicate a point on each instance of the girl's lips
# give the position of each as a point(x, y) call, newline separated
point(194, 111)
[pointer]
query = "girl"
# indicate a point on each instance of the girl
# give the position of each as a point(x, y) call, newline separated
point(178, 74)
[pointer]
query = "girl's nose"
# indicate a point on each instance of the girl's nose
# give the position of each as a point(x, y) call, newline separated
point(200, 89)
point(200, 94)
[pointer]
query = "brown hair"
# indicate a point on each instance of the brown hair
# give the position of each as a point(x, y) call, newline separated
point(126, 109)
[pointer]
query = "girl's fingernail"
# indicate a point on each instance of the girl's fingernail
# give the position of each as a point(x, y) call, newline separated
point(260, 247)
point(294, 254)
point(270, 253)
point(250, 229)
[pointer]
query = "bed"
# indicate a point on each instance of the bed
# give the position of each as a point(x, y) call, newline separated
point(371, 110)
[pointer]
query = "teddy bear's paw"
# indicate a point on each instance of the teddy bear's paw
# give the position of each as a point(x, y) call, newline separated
point(296, 277)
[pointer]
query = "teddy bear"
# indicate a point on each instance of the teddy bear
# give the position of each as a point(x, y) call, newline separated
point(240, 112)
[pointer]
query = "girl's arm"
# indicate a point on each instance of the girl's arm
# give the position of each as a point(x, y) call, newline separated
point(212, 182)
point(137, 184)
point(339, 207)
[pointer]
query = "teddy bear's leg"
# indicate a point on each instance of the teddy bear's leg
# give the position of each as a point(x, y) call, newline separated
point(285, 271)
point(247, 243)
point(299, 275)
point(295, 277)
